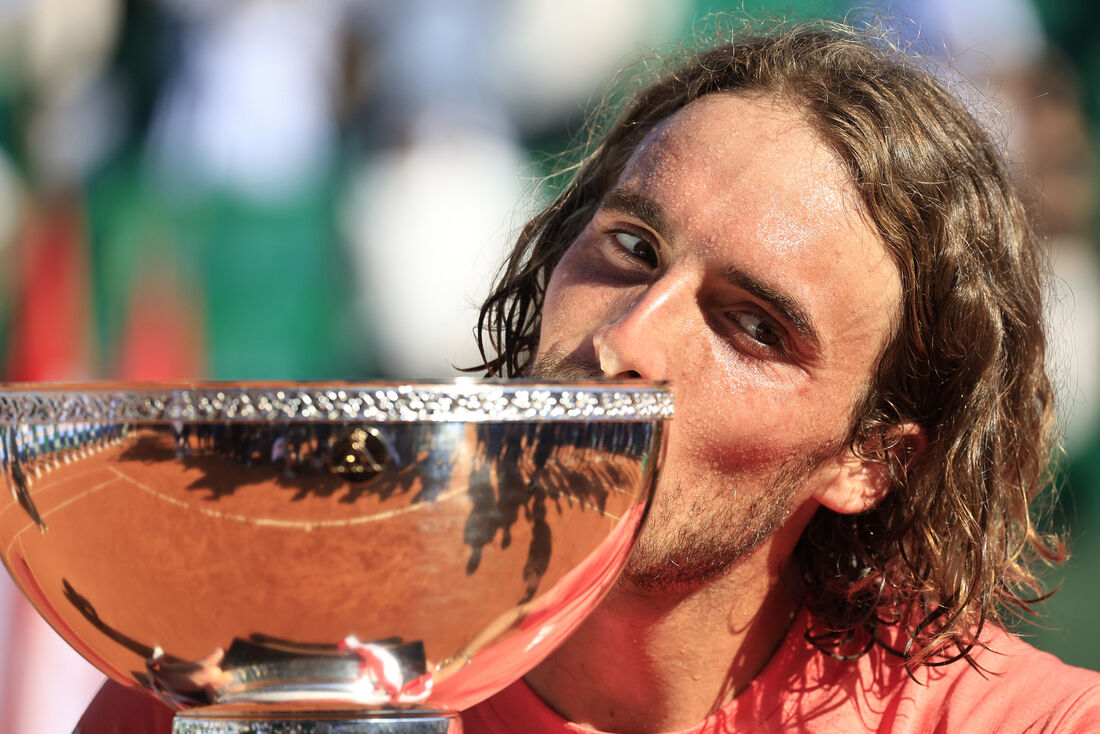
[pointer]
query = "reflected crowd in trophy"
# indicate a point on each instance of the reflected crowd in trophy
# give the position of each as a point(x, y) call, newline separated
point(323, 189)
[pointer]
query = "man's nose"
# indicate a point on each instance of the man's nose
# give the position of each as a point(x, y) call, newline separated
point(639, 340)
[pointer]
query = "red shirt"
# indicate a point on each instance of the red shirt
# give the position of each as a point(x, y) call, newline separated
point(1021, 690)
point(802, 689)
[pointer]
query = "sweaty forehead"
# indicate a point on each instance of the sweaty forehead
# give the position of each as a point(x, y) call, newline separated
point(750, 154)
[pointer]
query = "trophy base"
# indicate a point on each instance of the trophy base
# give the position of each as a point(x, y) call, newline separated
point(316, 722)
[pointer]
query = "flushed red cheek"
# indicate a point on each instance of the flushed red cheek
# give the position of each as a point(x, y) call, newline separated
point(749, 427)
point(725, 444)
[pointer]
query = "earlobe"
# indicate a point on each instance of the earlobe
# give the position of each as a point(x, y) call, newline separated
point(857, 484)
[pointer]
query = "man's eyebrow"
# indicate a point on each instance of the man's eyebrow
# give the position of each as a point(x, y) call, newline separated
point(639, 206)
point(788, 308)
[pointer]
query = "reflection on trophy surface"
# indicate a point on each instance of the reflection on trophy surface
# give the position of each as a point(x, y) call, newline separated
point(357, 558)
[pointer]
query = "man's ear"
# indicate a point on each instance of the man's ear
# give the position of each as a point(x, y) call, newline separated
point(857, 484)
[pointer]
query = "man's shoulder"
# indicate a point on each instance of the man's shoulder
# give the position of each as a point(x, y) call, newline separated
point(1007, 685)
point(1011, 686)
point(1012, 682)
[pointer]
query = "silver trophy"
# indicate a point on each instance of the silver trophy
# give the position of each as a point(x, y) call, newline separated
point(352, 559)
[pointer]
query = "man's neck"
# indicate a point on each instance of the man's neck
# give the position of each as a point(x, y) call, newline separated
point(651, 661)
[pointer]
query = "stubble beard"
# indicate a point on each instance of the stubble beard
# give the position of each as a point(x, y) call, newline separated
point(685, 546)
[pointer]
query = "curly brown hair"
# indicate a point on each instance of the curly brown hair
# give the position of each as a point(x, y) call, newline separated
point(953, 545)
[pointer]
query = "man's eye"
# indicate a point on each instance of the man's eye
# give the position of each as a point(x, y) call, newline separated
point(759, 328)
point(637, 246)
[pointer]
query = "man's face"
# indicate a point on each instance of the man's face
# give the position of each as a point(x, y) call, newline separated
point(730, 258)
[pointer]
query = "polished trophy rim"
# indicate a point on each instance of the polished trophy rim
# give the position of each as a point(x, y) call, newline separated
point(432, 401)
point(321, 722)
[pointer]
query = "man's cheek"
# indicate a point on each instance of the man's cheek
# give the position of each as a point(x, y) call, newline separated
point(718, 445)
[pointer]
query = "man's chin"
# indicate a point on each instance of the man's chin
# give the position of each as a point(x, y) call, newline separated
point(684, 569)
point(697, 557)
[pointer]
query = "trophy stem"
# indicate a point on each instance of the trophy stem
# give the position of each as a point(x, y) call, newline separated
point(197, 721)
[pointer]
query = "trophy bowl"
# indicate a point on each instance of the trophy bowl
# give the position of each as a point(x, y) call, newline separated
point(323, 557)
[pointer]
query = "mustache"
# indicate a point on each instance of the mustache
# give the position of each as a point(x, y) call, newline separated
point(562, 366)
